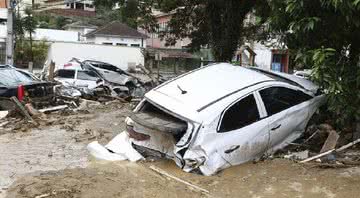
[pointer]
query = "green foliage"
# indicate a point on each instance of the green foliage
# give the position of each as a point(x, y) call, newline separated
point(324, 36)
point(29, 23)
point(24, 52)
point(128, 12)
point(214, 23)
point(51, 22)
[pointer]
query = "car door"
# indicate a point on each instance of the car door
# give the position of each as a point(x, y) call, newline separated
point(287, 113)
point(241, 133)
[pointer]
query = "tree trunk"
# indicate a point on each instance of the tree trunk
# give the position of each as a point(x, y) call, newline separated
point(31, 47)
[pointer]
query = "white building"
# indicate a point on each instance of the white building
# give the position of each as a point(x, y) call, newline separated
point(117, 34)
point(87, 5)
point(82, 28)
point(120, 56)
point(51, 35)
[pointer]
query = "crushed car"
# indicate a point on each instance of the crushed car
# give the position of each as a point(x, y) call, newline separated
point(122, 83)
point(24, 86)
point(220, 116)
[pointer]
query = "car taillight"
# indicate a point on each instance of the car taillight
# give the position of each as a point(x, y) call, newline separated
point(20, 92)
point(67, 65)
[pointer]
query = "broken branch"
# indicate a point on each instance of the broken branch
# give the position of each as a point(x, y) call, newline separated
point(162, 172)
point(22, 109)
point(332, 150)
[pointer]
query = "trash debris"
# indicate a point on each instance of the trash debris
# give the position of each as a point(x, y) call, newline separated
point(331, 151)
point(117, 149)
point(22, 109)
point(298, 155)
point(3, 114)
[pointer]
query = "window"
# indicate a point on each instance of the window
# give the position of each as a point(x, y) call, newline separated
point(135, 45)
point(241, 114)
point(65, 73)
point(87, 75)
point(277, 99)
point(121, 44)
point(12, 77)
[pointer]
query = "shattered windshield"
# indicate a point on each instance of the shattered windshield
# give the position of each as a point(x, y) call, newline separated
point(12, 77)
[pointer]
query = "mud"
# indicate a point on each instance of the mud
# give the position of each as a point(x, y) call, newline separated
point(52, 161)
point(58, 145)
point(276, 178)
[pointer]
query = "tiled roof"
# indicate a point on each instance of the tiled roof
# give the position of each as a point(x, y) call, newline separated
point(3, 4)
point(117, 29)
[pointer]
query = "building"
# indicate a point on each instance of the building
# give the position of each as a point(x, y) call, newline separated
point(154, 41)
point(51, 35)
point(118, 34)
point(252, 53)
point(69, 8)
point(3, 30)
point(87, 5)
point(82, 28)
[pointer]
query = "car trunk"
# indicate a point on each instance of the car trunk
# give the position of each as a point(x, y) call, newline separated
point(155, 132)
point(40, 94)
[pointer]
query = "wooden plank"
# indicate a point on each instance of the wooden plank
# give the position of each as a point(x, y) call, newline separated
point(192, 186)
point(22, 109)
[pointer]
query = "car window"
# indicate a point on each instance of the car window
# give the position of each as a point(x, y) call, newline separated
point(277, 99)
point(65, 73)
point(87, 75)
point(241, 114)
point(12, 77)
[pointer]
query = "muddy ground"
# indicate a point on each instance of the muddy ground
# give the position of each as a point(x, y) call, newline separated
point(52, 161)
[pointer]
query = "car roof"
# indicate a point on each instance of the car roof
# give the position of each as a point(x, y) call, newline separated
point(202, 87)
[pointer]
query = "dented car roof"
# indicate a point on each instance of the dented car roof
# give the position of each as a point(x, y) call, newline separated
point(205, 85)
point(189, 94)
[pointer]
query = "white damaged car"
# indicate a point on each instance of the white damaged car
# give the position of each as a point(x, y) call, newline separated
point(222, 115)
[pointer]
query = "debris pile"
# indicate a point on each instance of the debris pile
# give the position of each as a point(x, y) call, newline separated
point(324, 147)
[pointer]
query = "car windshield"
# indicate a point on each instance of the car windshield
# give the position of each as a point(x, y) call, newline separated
point(87, 75)
point(12, 77)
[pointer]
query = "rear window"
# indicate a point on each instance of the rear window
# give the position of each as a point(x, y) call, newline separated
point(241, 114)
point(12, 77)
point(65, 74)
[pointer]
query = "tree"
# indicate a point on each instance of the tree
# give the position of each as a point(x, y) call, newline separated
point(214, 23)
point(324, 36)
point(127, 13)
point(29, 24)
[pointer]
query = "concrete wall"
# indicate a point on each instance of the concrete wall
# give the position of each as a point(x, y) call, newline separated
point(116, 40)
point(56, 35)
point(61, 53)
point(82, 31)
point(3, 13)
point(263, 56)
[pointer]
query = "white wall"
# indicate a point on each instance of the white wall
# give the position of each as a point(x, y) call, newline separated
point(116, 40)
point(3, 13)
point(82, 31)
point(263, 56)
point(119, 56)
point(3, 33)
point(56, 35)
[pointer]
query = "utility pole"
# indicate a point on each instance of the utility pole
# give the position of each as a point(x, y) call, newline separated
point(10, 36)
